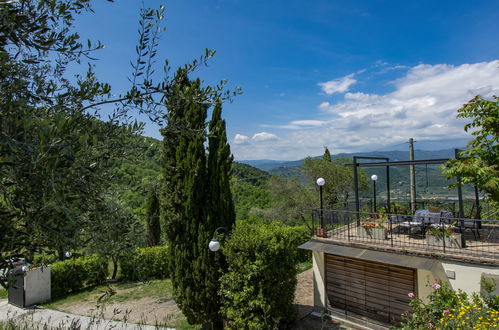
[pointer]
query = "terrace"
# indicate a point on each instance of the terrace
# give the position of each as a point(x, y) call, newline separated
point(435, 234)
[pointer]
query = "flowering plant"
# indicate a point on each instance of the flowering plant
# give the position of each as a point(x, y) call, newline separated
point(440, 232)
point(372, 224)
point(448, 309)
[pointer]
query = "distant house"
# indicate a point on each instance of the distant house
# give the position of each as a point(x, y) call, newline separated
point(364, 268)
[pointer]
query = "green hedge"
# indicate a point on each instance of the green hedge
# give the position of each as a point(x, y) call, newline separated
point(297, 235)
point(74, 275)
point(44, 259)
point(146, 264)
point(258, 289)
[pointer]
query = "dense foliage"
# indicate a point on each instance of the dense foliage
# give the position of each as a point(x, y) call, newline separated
point(290, 201)
point(339, 179)
point(55, 153)
point(248, 189)
point(479, 163)
point(195, 197)
point(113, 230)
point(448, 309)
point(146, 264)
point(258, 289)
point(73, 275)
point(152, 216)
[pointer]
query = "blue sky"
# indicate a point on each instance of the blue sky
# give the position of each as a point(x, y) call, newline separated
point(350, 75)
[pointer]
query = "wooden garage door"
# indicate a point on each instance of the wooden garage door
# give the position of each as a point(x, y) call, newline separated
point(376, 290)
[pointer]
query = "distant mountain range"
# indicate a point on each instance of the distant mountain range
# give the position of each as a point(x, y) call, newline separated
point(429, 179)
point(268, 164)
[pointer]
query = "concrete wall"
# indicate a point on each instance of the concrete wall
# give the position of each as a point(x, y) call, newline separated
point(37, 285)
point(319, 280)
point(457, 275)
point(467, 276)
point(424, 279)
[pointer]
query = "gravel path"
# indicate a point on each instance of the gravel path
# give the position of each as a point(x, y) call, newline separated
point(38, 318)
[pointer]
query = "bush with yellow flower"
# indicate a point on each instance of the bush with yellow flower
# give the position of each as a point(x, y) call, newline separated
point(449, 309)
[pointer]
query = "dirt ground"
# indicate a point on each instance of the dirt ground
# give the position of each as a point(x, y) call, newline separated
point(156, 312)
point(141, 311)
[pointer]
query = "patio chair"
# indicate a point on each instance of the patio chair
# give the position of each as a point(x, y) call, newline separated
point(411, 224)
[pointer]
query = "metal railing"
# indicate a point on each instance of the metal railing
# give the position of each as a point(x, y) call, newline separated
point(424, 232)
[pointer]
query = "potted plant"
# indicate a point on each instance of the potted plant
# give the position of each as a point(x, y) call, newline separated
point(372, 229)
point(438, 236)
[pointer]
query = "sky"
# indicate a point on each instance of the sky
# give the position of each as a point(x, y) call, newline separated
point(360, 75)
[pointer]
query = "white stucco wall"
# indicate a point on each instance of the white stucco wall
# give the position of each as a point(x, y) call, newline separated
point(319, 279)
point(37, 285)
point(424, 279)
point(467, 276)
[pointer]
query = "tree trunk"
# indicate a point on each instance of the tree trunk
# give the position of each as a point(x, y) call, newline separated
point(115, 268)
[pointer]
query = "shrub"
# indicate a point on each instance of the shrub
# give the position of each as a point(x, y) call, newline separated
point(42, 259)
point(258, 289)
point(297, 235)
point(146, 264)
point(74, 275)
point(448, 309)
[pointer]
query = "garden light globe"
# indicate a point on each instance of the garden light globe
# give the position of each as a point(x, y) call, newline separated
point(321, 182)
point(374, 177)
point(214, 245)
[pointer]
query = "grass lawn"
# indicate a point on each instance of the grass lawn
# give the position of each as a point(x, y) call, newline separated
point(145, 301)
point(119, 292)
point(3, 293)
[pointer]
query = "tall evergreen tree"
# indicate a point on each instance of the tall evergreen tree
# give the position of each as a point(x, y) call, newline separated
point(195, 198)
point(221, 210)
point(153, 221)
point(327, 155)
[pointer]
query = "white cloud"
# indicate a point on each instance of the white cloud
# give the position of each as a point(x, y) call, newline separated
point(324, 106)
point(423, 105)
point(298, 124)
point(308, 122)
point(241, 139)
point(340, 85)
point(264, 136)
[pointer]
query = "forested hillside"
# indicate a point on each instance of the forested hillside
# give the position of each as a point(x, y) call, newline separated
point(430, 181)
point(137, 172)
point(250, 185)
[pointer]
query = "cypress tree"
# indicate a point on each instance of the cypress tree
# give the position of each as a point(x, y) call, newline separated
point(327, 155)
point(221, 210)
point(195, 199)
point(152, 213)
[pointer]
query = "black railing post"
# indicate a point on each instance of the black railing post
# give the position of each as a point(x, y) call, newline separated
point(442, 226)
point(348, 226)
point(356, 188)
point(322, 215)
point(478, 209)
point(461, 204)
point(313, 223)
point(391, 229)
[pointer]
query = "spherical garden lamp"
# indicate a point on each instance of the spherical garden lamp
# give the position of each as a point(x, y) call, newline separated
point(214, 244)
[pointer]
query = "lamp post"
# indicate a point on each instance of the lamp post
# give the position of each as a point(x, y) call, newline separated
point(374, 177)
point(214, 244)
point(320, 183)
